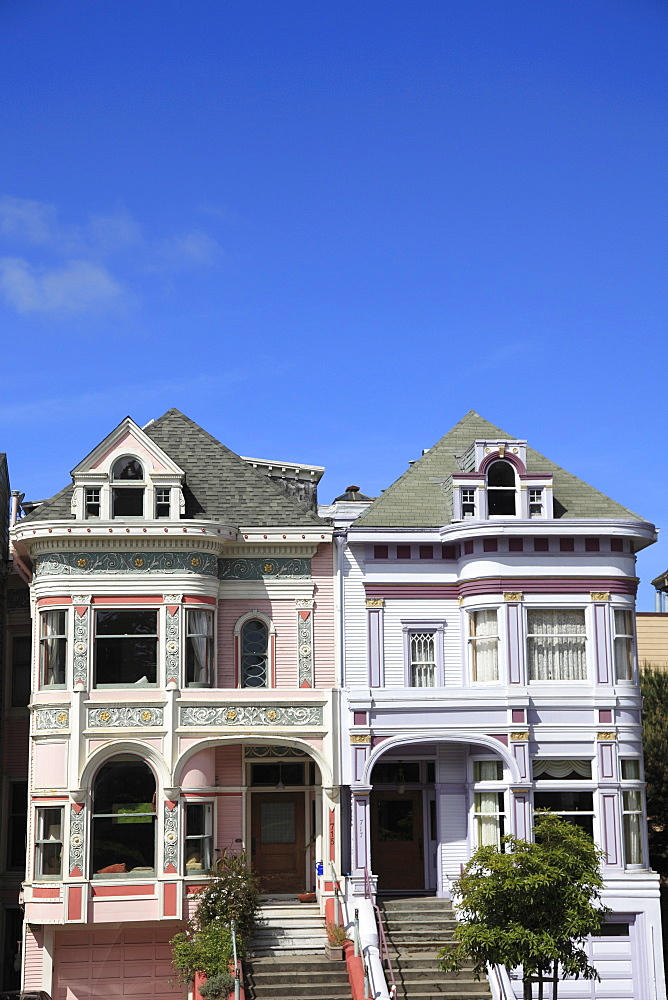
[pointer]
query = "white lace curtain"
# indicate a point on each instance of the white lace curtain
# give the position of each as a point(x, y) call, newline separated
point(632, 827)
point(560, 768)
point(200, 628)
point(556, 645)
point(484, 632)
point(486, 807)
point(423, 659)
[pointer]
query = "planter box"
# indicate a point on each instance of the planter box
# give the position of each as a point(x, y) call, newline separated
point(334, 952)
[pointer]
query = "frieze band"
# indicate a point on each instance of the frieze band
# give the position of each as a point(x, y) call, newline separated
point(68, 563)
point(124, 718)
point(77, 830)
point(52, 718)
point(253, 715)
point(262, 569)
point(81, 647)
point(171, 817)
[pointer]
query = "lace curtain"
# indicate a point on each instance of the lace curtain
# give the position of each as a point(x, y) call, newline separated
point(484, 632)
point(486, 807)
point(200, 628)
point(632, 827)
point(560, 768)
point(556, 645)
point(423, 661)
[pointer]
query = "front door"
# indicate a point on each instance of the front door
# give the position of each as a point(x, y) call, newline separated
point(278, 841)
point(397, 840)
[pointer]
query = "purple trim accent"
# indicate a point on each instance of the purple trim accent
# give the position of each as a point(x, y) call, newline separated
point(616, 544)
point(516, 462)
point(567, 545)
point(601, 644)
point(501, 737)
point(605, 716)
point(520, 752)
point(519, 715)
point(426, 551)
point(490, 545)
point(449, 552)
point(359, 755)
point(541, 544)
point(468, 548)
point(376, 657)
point(403, 551)
point(516, 544)
point(609, 822)
point(592, 545)
point(381, 552)
point(520, 805)
point(606, 755)
point(360, 718)
point(497, 585)
point(513, 649)
point(359, 830)
point(375, 740)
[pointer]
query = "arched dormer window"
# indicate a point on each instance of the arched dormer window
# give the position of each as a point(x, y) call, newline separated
point(501, 490)
point(126, 500)
point(124, 818)
point(255, 637)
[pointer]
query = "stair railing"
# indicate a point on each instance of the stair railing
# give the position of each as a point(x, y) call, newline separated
point(382, 940)
point(237, 979)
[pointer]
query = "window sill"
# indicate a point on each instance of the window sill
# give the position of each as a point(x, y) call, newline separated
point(130, 686)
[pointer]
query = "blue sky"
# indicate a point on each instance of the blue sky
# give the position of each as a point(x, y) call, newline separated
point(325, 229)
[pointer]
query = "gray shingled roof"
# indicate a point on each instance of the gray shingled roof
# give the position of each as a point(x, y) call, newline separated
point(422, 497)
point(218, 483)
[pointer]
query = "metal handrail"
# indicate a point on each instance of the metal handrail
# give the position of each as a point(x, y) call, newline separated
point(382, 940)
point(237, 980)
point(336, 883)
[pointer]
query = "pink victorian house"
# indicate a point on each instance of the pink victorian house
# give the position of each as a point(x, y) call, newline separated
point(182, 697)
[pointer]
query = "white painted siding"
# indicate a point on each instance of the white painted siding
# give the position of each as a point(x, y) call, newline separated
point(356, 655)
point(452, 808)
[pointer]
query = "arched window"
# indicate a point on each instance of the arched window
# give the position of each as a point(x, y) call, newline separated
point(254, 654)
point(124, 816)
point(127, 501)
point(501, 490)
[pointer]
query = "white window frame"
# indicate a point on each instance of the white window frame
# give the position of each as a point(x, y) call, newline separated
point(411, 628)
point(487, 786)
point(471, 641)
point(629, 641)
point(271, 650)
point(208, 835)
point(41, 840)
point(41, 639)
point(585, 636)
point(636, 786)
point(211, 656)
point(151, 685)
point(515, 490)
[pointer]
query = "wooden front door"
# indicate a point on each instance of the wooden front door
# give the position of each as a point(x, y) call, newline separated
point(397, 840)
point(278, 841)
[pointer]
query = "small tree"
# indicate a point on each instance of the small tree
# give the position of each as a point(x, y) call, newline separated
point(530, 904)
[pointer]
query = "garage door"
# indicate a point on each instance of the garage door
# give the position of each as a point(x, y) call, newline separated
point(134, 963)
point(612, 952)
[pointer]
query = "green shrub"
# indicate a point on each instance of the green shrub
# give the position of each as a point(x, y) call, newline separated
point(232, 894)
point(218, 987)
point(207, 950)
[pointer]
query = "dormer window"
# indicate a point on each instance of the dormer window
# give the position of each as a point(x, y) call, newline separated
point(535, 503)
point(92, 501)
point(127, 501)
point(468, 503)
point(162, 505)
point(501, 490)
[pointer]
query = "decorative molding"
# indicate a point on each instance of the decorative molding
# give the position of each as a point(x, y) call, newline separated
point(172, 598)
point(512, 595)
point(518, 737)
point(600, 595)
point(68, 563)
point(259, 753)
point(606, 736)
point(304, 603)
point(361, 738)
point(305, 648)
point(173, 646)
point(77, 838)
point(81, 599)
point(81, 627)
point(252, 715)
point(262, 569)
point(125, 718)
point(52, 718)
point(171, 846)
point(375, 602)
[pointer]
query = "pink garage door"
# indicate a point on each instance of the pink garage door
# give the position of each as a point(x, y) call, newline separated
point(134, 963)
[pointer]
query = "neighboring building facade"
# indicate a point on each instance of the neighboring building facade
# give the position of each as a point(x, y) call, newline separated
point(183, 697)
point(490, 670)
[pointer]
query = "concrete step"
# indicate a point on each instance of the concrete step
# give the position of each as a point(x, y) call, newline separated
point(294, 978)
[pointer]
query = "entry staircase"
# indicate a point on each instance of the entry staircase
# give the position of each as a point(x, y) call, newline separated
point(287, 956)
point(416, 929)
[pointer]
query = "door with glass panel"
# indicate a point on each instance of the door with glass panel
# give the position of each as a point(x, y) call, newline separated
point(278, 842)
point(397, 839)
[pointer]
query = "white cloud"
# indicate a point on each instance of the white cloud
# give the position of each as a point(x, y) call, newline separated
point(194, 247)
point(27, 221)
point(76, 286)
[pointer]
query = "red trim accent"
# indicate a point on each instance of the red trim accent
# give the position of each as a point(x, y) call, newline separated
point(190, 599)
point(77, 806)
point(192, 889)
point(45, 602)
point(304, 614)
point(74, 902)
point(169, 898)
point(496, 585)
point(170, 869)
point(355, 970)
point(305, 684)
point(81, 609)
point(123, 890)
point(332, 837)
point(49, 798)
point(237, 663)
point(170, 805)
point(38, 893)
point(494, 456)
point(137, 599)
point(173, 608)
point(76, 872)
point(501, 737)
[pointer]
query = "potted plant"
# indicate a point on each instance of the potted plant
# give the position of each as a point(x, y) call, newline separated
point(336, 938)
point(204, 948)
point(306, 896)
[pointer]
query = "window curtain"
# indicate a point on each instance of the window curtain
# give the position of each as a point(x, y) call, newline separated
point(560, 768)
point(200, 629)
point(485, 645)
point(623, 645)
point(632, 827)
point(487, 816)
point(487, 770)
point(556, 645)
point(423, 662)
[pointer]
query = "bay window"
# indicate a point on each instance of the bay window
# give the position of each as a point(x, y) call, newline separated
point(199, 648)
point(49, 842)
point(624, 634)
point(126, 648)
point(199, 838)
point(52, 648)
point(484, 645)
point(124, 819)
point(556, 644)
